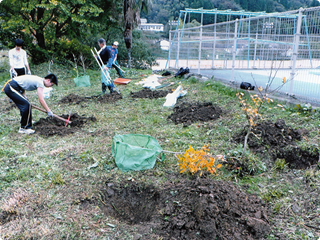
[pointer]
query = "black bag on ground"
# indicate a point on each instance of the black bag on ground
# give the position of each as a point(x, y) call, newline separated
point(246, 86)
point(167, 73)
point(182, 71)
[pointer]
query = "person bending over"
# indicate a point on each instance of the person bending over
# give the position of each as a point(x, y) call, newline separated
point(16, 89)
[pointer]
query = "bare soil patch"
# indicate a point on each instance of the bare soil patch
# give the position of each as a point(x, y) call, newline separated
point(8, 217)
point(109, 98)
point(189, 209)
point(6, 106)
point(279, 141)
point(148, 93)
point(188, 113)
point(72, 99)
point(52, 126)
point(105, 98)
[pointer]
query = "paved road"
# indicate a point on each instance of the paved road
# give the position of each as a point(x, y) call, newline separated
point(305, 86)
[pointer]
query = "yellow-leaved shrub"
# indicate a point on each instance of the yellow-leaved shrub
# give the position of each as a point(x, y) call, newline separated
point(194, 160)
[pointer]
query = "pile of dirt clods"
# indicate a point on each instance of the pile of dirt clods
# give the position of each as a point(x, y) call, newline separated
point(148, 93)
point(280, 142)
point(52, 126)
point(102, 98)
point(109, 97)
point(267, 133)
point(189, 209)
point(72, 99)
point(188, 113)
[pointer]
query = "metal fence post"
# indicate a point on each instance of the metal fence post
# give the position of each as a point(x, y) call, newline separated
point(234, 49)
point(200, 44)
point(255, 51)
point(214, 41)
point(170, 43)
point(174, 36)
point(178, 50)
point(295, 50)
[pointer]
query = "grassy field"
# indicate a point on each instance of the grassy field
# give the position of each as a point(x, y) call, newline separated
point(50, 185)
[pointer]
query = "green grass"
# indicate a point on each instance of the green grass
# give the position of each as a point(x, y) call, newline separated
point(56, 172)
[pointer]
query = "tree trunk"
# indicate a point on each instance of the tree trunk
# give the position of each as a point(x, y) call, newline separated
point(128, 42)
point(40, 39)
point(246, 140)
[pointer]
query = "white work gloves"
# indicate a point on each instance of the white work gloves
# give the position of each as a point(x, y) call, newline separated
point(29, 72)
point(50, 114)
point(13, 73)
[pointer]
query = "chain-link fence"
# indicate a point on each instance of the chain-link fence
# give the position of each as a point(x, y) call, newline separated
point(289, 41)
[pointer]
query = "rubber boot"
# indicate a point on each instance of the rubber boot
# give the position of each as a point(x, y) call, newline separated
point(110, 89)
point(104, 88)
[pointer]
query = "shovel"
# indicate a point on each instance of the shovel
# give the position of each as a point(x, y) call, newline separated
point(164, 85)
point(56, 116)
point(165, 78)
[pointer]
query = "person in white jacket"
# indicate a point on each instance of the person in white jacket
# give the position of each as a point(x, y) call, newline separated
point(18, 60)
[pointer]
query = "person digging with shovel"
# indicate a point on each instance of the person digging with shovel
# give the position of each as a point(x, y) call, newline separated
point(15, 89)
point(105, 58)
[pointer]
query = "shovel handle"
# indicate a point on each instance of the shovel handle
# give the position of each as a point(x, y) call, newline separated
point(54, 115)
point(68, 119)
point(165, 78)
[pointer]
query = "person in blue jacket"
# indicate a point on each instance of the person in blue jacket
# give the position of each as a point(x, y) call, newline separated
point(114, 55)
point(104, 56)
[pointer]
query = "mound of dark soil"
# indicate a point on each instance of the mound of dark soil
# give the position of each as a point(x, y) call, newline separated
point(191, 209)
point(72, 98)
point(279, 140)
point(270, 134)
point(52, 126)
point(187, 113)
point(148, 93)
point(107, 98)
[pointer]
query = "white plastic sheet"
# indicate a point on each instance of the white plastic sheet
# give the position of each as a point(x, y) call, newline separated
point(171, 98)
point(151, 82)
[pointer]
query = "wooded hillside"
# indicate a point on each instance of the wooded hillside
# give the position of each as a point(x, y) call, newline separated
point(164, 10)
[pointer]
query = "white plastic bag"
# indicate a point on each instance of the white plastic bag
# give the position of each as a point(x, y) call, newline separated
point(151, 82)
point(46, 92)
point(171, 98)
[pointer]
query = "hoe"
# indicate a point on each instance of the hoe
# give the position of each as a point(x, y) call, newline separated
point(56, 116)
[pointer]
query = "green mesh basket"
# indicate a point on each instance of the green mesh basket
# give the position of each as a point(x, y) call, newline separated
point(83, 81)
point(135, 151)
